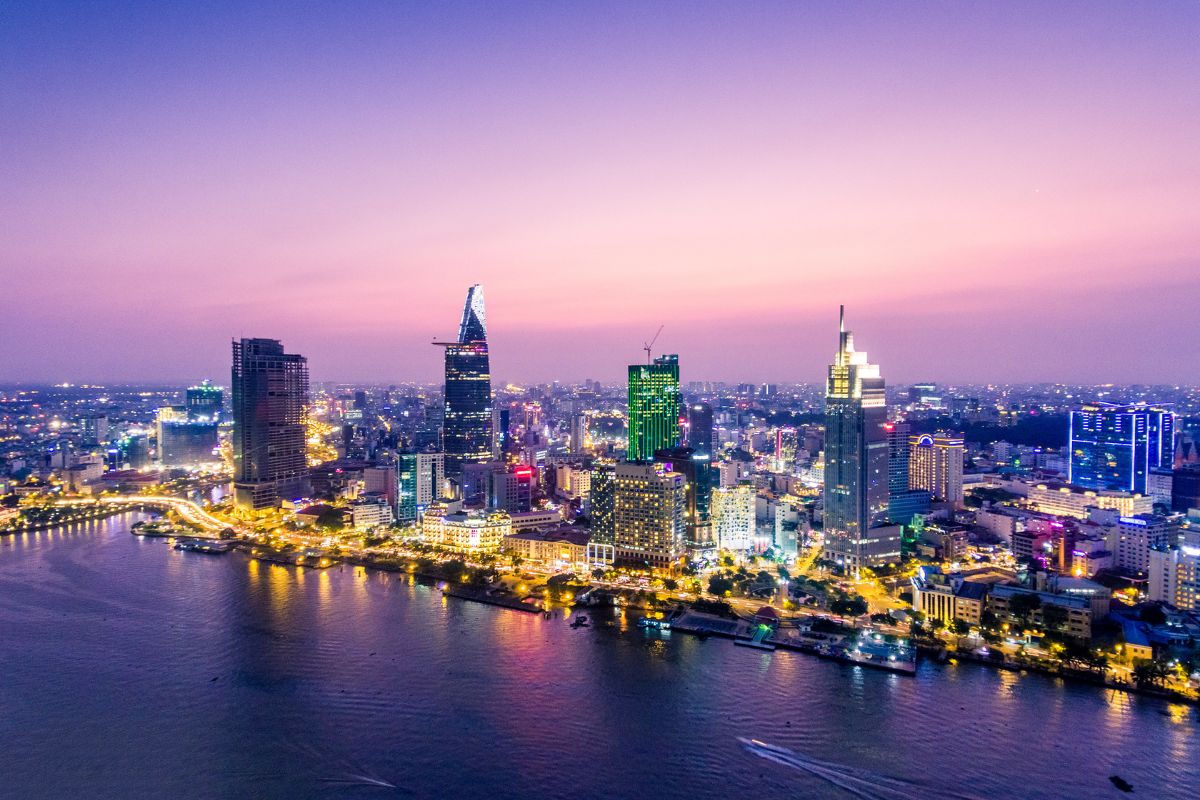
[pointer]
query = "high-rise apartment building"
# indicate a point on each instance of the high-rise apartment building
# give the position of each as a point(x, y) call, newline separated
point(648, 515)
point(856, 462)
point(270, 399)
point(602, 502)
point(1175, 573)
point(733, 517)
point(654, 407)
point(467, 428)
point(1116, 446)
point(935, 464)
point(579, 432)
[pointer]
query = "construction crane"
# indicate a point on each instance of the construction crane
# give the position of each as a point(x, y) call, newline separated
point(650, 343)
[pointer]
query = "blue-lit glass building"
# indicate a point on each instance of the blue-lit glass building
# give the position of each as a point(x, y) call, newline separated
point(1115, 446)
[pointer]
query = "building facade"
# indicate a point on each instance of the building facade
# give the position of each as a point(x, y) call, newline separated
point(476, 532)
point(654, 407)
point(467, 424)
point(270, 400)
point(857, 533)
point(935, 465)
point(1115, 446)
point(733, 517)
point(648, 515)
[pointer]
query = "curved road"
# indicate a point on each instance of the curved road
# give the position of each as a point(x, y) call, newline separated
point(187, 510)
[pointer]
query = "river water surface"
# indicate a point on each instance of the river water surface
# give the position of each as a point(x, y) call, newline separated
point(130, 670)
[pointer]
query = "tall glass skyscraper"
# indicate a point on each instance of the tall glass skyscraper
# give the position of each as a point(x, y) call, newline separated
point(654, 407)
point(270, 400)
point(467, 430)
point(1116, 446)
point(903, 502)
point(700, 440)
point(856, 462)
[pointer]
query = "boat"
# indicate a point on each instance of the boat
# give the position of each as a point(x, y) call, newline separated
point(654, 624)
point(1121, 783)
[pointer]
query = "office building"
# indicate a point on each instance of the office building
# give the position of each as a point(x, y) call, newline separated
point(654, 407)
point(512, 489)
point(700, 429)
point(205, 400)
point(700, 439)
point(648, 515)
point(1185, 488)
point(186, 440)
point(467, 425)
point(857, 533)
point(370, 511)
point(406, 489)
point(382, 480)
point(93, 429)
point(188, 434)
point(696, 470)
point(270, 399)
point(904, 502)
point(1116, 446)
point(419, 480)
point(935, 465)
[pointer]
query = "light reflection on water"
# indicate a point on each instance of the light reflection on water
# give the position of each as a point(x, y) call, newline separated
point(135, 670)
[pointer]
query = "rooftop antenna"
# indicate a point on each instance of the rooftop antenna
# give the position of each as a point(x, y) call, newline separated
point(841, 319)
point(650, 343)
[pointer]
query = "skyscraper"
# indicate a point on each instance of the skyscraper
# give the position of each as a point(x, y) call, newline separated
point(419, 483)
point(903, 500)
point(700, 429)
point(1115, 446)
point(602, 502)
point(270, 399)
point(654, 407)
point(700, 439)
point(935, 464)
point(856, 462)
point(579, 432)
point(695, 469)
point(467, 432)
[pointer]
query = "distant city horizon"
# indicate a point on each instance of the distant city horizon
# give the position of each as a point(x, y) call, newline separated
point(610, 372)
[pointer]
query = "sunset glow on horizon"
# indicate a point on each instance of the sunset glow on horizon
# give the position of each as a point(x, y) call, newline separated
point(996, 194)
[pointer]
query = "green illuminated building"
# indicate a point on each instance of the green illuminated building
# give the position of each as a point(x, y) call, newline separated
point(654, 407)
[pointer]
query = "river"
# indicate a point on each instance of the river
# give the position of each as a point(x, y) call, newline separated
point(131, 670)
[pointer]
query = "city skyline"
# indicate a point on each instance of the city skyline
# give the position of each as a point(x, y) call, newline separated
point(978, 185)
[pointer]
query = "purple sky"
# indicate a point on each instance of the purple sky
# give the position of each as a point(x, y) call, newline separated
point(997, 193)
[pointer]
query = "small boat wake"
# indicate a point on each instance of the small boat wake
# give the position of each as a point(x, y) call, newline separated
point(360, 780)
point(859, 782)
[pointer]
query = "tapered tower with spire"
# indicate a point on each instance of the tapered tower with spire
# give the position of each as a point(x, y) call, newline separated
point(467, 431)
point(856, 461)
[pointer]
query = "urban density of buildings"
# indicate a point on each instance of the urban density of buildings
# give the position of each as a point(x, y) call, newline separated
point(1029, 515)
